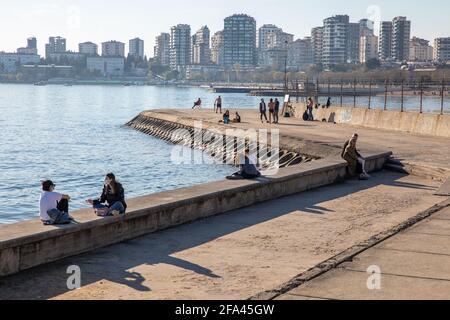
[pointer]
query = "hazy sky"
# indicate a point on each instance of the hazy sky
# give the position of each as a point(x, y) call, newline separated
point(102, 20)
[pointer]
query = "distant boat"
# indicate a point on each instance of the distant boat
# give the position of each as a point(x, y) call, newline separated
point(40, 83)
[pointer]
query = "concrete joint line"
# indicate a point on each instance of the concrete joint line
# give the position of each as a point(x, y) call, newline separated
point(348, 254)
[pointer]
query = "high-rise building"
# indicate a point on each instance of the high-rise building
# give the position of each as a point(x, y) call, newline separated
point(136, 48)
point(353, 39)
point(88, 48)
point(162, 49)
point(201, 50)
point(420, 50)
point(366, 27)
point(335, 40)
point(279, 40)
point(113, 49)
point(264, 33)
point(442, 49)
point(32, 43)
point(368, 48)
point(317, 44)
point(263, 36)
point(180, 46)
point(401, 35)
point(55, 45)
point(240, 41)
point(301, 53)
point(217, 48)
point(385, 41)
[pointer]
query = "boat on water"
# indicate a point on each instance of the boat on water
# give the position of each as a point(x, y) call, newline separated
point(40, 83)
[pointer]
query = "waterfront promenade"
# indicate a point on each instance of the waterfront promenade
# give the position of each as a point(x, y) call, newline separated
point(254, 251)
point(239, 254)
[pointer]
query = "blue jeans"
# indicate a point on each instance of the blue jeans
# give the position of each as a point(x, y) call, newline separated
point(118, 206)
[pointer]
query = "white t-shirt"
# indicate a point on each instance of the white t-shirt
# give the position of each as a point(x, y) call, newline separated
point(48, 201)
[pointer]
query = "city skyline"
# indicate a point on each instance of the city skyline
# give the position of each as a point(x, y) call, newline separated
point(75, 21)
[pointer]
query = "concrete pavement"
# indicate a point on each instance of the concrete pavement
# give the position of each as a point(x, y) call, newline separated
point(238, 254)
point(414, 265)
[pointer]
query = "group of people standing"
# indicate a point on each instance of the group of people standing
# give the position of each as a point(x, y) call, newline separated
point(274, 110)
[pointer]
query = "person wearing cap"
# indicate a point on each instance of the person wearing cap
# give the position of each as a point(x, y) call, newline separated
point(53, 206)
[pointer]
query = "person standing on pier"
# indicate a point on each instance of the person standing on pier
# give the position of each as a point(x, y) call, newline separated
point(112, 200)
point(218, 104)
point(263, 111)
point(276, 111)
point(271, 111)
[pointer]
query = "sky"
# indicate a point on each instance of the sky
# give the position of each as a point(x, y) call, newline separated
point(102, 20)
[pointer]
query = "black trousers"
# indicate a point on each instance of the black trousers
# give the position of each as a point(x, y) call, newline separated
point(63, 206)
point(263, 114)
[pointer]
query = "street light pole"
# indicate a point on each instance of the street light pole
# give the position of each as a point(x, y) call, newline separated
point(285, 69)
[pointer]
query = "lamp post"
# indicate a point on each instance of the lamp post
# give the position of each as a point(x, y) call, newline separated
point(285, 69)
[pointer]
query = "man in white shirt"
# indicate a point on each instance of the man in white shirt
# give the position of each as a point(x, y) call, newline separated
point(53, 206)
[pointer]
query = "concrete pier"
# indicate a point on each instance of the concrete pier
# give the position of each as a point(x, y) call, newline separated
point(280, 226)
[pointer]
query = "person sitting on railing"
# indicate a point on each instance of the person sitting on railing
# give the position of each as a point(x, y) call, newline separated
point(356, 162)
point(248, 169)
point(53, 206)
point(112, 200)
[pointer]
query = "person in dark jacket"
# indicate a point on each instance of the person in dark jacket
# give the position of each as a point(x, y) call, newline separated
point(276, 111)
point(248, 169)
point(263, 111)
point(112, 197)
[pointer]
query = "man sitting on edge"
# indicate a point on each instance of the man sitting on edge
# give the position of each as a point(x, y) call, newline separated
point(54, 207)
point(356, 162)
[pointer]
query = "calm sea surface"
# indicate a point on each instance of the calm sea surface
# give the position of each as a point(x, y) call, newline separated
point(74, 135)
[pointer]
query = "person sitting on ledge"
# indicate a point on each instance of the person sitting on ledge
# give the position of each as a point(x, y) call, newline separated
point(237, 118)
point(247, 170)
point(197, 103)
point(356, 162)
point(53, 206)
point(226, 117)
point(112, 200)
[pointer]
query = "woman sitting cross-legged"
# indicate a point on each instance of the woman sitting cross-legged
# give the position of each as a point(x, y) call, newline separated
point(112, 201)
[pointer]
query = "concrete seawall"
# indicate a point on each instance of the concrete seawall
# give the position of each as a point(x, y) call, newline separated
point(412, 122)
point(214, 141)
point(28, 244)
